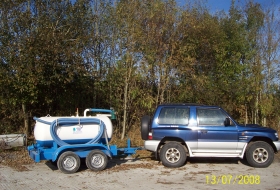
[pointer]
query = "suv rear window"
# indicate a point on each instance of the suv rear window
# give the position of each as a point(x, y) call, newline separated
point(174, 116)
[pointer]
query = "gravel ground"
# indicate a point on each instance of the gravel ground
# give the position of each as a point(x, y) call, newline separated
point(199, 173)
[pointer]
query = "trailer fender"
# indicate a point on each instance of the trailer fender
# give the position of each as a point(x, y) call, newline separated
point(84, 149)
point(108, 153)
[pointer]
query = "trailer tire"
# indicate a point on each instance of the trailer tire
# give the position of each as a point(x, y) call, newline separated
point(96, 160)
point(68, 162)
point(145, 127)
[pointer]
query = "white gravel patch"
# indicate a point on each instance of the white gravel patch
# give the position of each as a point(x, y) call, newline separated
point(139, 174)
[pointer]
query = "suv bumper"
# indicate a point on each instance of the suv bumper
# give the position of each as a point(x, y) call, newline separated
point(277, 145)
point(151, 145)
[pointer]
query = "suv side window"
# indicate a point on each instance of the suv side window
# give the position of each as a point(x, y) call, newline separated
point(174, 116)
point(213, 117)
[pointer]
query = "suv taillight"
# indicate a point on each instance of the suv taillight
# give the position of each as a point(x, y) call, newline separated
point(150, 136)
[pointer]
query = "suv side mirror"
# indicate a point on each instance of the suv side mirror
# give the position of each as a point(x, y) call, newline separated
point(227, 122)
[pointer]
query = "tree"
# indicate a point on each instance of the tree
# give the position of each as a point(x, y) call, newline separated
point(41, 51)
point(269, 46)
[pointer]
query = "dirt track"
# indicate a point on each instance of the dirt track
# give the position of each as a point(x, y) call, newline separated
point(140, 174)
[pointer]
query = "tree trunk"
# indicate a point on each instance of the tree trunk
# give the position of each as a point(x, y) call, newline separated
point(125, 103)
point(26, 121)
point(246, 115)
point(264, 121)
point(125, 108)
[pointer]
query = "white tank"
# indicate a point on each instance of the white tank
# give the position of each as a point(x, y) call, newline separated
point(73, 134)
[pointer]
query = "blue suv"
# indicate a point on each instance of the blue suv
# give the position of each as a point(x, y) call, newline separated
point(178, 131)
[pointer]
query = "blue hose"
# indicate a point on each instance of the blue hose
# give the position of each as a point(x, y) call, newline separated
point(70, 122)
point(42, 121)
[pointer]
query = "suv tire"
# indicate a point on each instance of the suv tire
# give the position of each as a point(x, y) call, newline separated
point(145, 127)
point(259, 154)
point(173, 155)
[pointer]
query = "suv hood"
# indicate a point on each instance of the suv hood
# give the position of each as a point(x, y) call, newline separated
point(249, 127)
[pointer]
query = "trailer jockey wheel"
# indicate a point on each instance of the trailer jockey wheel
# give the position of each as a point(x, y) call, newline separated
point(68, 162)
point(96, 160)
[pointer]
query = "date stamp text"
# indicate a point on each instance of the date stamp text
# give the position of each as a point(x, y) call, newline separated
point(233, 179)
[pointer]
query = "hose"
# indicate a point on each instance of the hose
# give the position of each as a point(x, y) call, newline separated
point(42, 121)
point(68, 122)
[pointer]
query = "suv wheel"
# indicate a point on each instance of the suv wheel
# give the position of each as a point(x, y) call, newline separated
point(259, 154)
point(173, 155)
point(145, 127)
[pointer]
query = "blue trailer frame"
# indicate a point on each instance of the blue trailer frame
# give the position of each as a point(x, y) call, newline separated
point(68, 155)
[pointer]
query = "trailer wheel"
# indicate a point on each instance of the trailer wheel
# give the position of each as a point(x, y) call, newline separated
point(96, 160)
point(68, 162)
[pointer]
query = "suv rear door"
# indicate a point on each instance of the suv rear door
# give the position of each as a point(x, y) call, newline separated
point(174, 122)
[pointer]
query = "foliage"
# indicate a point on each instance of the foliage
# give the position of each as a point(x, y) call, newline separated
point(56, 56)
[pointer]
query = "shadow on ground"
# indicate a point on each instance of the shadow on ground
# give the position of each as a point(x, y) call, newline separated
point(118, 162)
point(121, 163)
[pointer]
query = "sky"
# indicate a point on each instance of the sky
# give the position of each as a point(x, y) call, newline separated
point(219, 5)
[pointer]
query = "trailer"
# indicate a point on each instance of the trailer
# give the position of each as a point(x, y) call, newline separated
point(66, 140)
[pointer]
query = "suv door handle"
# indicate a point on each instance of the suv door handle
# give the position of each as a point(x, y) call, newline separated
point(204, 131)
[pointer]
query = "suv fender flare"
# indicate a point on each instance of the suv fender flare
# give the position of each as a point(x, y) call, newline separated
point(174, 139)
